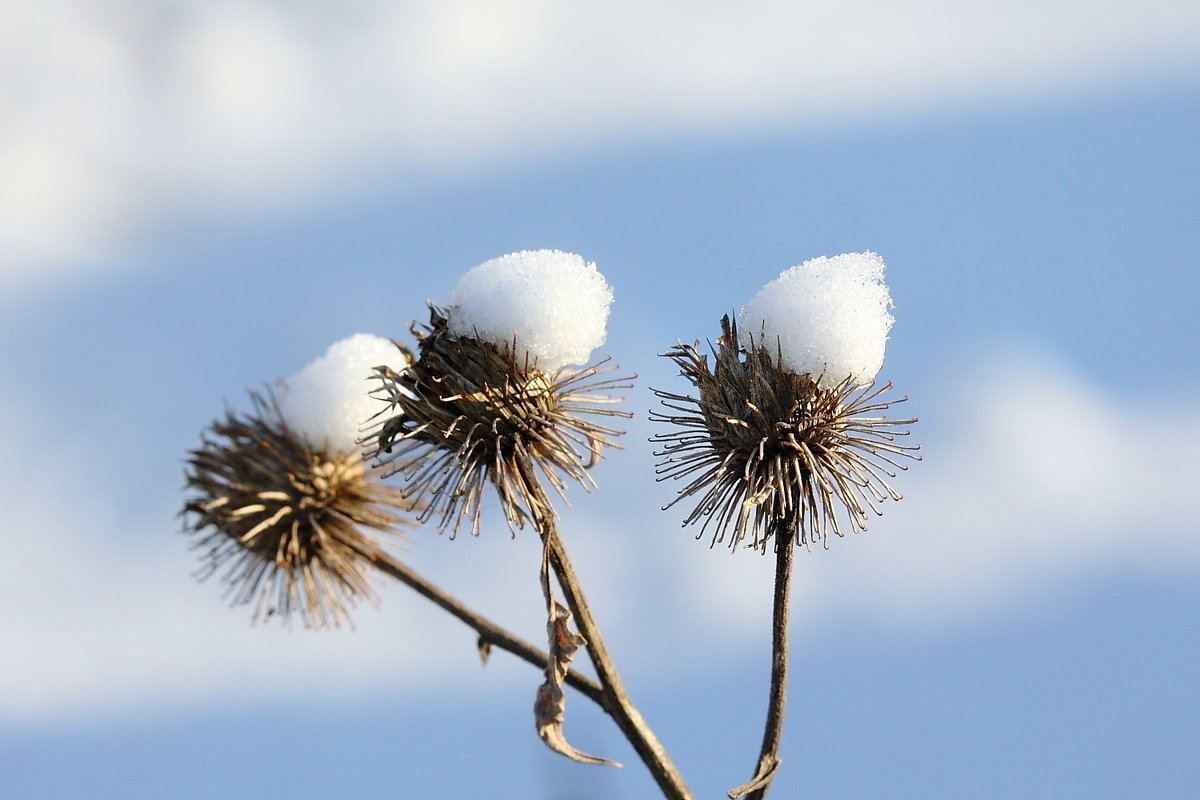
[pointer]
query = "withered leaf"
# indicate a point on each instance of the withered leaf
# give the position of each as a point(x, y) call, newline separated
point(549, 707)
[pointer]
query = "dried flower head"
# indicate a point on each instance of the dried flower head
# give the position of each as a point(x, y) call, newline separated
point(284, 520)
point(469, 413)
point(763, 447)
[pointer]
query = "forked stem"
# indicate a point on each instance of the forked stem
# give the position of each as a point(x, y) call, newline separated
point(617, 702)
point(490, 633)
point(768, 759)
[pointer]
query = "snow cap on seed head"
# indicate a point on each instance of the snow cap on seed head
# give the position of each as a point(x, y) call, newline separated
point(828, 318)
point(329, 400)
point(554, 303)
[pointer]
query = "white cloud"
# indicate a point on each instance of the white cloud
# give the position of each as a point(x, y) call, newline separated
point(1034, 481)
point(99, 614)
point(115, 114)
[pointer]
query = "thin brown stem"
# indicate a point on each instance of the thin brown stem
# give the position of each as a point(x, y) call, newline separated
point(618, 705)
point(490, 634)
point(768, 759)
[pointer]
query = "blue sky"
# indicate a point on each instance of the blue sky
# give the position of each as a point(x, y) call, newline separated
point(200, 198)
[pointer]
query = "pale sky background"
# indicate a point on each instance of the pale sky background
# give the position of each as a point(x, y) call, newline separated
point(196, 198)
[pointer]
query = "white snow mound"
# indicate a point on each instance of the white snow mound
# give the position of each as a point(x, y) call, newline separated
point(555, 304)
point(328, 401)
point(828, 317)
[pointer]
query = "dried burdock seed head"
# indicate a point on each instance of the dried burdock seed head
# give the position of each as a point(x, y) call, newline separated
point(284, 523)
point(785, 435)
point(281, 500)
point(471, 413)
point(762, 447)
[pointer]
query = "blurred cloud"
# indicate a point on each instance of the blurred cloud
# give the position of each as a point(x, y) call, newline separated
point(99, 614)
point(116, 116)
point(1039, 481)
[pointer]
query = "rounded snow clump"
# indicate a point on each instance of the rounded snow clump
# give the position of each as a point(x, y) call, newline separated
point(328, 401)
point(554, 303)
point(828, 318)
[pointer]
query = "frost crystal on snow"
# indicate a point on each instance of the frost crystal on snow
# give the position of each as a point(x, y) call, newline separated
point(328, 401)
point(829, 318)
point(554, 303)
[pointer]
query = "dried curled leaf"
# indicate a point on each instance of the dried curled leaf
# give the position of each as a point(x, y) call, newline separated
point(549, 707)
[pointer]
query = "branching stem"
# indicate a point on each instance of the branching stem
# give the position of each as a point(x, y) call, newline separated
point(489, 632)
point(617, 702)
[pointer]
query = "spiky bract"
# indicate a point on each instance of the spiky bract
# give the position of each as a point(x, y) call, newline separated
point(284, 521)
point(763, 448)
point(468, 413)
